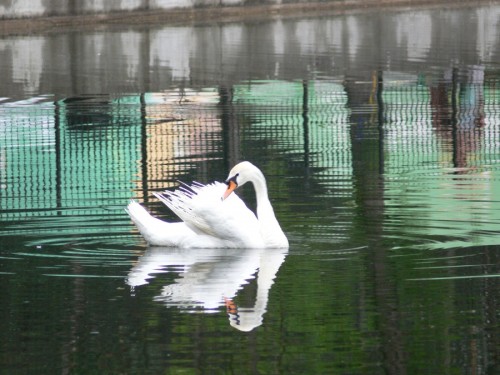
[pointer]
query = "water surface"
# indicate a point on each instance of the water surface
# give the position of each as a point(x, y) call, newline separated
point(378, 133)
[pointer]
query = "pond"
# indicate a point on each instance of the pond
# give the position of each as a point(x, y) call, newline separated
point(378, 132)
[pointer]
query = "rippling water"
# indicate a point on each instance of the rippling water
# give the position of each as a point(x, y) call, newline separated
point(381, 151)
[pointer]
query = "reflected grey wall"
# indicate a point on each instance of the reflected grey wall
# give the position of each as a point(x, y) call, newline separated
point(37, 8)
point(150, 59)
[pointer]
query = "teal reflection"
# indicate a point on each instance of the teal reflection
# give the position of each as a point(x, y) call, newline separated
point(398, 150)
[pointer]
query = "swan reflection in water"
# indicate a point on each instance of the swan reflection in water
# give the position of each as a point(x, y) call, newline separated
point(210, 278)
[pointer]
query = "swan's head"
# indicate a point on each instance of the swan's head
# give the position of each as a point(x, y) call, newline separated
point(240, 175)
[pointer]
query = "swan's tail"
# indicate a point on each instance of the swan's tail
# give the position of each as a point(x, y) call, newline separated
point(155, 231)
point(141, 218)
point(138, 214)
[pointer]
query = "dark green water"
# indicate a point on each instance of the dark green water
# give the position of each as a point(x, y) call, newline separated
point(378, 134)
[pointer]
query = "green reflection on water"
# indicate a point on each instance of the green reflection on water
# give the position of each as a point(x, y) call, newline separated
point(377, 278)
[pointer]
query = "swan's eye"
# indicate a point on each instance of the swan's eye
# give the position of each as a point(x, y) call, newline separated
point(232, 179)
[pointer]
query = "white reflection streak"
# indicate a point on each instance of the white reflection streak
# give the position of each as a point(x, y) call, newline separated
point(211, 277)
point(174, 54)
point(415, 30)
point(27, 61)
point(25, 8)
point(487, 37)
point(354, 33)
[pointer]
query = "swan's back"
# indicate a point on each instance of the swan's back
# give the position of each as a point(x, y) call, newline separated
point(204, 211)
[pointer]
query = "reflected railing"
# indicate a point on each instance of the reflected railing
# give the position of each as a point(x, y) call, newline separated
point(83, 158)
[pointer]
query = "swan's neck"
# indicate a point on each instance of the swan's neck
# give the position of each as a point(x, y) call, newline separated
point(269, 227)
point(260, 186)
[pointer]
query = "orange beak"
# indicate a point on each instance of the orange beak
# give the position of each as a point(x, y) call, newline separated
point(230, 188)
point(230, 306)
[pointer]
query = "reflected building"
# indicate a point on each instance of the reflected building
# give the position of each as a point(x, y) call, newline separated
point(189, 98)
point(152, 59)
point(65, 165)
point(179, 128)
point(448, 130)
point(89, 155)
point(86, 157)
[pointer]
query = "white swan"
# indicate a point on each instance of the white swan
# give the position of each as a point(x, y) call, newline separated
point(213, 217)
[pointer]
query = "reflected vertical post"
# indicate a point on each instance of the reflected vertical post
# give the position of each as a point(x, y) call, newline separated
point(230, 128)
point(144, 148)
point(454, 115)
point(57, 144)
point(380, 117)
point(305, 125)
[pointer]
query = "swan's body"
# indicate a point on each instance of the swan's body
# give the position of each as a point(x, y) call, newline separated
point(212, 217)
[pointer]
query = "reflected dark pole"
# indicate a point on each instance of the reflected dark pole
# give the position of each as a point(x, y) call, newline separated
point(75, 317)
point(145, 53)
point(492, 306)
point(57, 136)
point(305, 125)
point(230, 128)
point(144, 149)
point(380, 117)
point(367, 168)
point(72, 8)
point(385, 285)
point(454, 115)
point(145, 63)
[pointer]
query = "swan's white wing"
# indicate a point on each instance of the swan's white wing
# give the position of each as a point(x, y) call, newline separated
point(186, 204)
point(202, 209)
point(161, 233)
